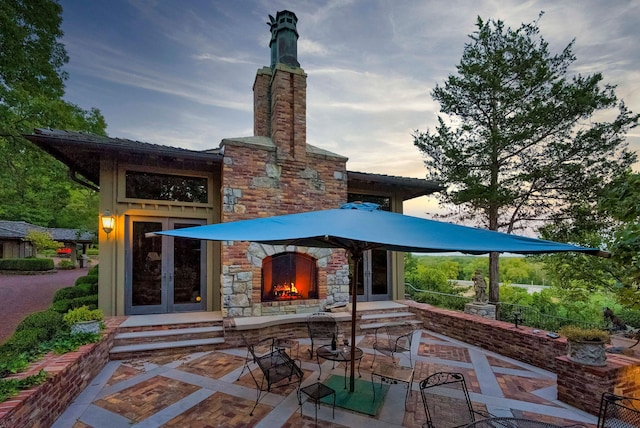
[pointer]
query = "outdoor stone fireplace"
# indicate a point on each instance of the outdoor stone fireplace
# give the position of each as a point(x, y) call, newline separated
point(320, 278)
point(289, 276)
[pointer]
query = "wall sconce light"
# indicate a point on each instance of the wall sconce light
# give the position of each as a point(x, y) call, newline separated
point(108, 222)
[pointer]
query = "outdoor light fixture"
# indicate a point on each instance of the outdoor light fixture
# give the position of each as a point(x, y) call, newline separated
point(108, 221)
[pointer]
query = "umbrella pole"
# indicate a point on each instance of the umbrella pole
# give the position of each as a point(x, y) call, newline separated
point(356, 256)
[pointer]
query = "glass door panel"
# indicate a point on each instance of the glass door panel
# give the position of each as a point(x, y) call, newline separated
point(373, 281)
point(146, 277)
point(188, 271)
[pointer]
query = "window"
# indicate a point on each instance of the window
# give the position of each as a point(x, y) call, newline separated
point(166, 187)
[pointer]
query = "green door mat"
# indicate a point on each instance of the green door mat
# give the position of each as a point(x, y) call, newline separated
point(360, 400)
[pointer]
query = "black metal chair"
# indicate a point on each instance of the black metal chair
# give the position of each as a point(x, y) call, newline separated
point(276, 367)
point(446, 401)
point(393, 338)
point(323, 328)
point(618, 412)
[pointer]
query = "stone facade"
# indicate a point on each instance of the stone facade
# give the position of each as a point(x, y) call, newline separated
point(273, 173)
point(483, 310)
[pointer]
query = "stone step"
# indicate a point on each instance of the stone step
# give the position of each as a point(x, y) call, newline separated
point(142, 350)
point(167, 335)
point(371, 321)
point(372, 326)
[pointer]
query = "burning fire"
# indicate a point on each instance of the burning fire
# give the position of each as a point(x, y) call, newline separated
point(280, 290)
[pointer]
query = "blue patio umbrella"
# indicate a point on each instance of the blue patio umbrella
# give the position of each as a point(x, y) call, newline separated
point(358, 227)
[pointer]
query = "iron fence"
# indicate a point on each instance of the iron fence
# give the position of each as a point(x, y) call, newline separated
point(508, 312)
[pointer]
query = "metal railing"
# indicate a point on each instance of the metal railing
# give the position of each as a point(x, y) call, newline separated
point(442, 300)
point(524, 315)
point(531, 317)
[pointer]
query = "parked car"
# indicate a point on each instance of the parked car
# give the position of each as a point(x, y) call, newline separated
point(64, 252)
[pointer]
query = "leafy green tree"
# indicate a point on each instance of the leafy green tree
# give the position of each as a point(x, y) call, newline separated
point(42, 241)
point(520, 142)
point(35, 187)
point(615, 225)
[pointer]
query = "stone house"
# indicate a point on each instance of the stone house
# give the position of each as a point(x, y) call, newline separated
point(148, 187)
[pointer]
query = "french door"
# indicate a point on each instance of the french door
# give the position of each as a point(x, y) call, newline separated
point(164, 274)
point(374, 280)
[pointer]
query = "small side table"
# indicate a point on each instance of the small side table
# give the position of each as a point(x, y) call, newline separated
point(317, 392)
point(392, 374)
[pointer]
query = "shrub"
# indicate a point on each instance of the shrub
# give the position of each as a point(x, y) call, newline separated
point(572, 332)
point(66, 265)
point(631, 317)
point(63, 306)
point(69, 293)
point(83, 313)
point(93, 271)
point(50, 321)
point(24, 341)
point(28, 264)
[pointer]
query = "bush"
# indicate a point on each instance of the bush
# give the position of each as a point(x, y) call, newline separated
point(26, 341)
point(63, 306)
point(83, 313)
point(631, 317)
point(50, 321)
point(70, 293)
point(91, 280)
point(66, 265)
point(28, 264)
point(93, 271)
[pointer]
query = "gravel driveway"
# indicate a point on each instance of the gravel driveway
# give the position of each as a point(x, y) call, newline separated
point(21, 295)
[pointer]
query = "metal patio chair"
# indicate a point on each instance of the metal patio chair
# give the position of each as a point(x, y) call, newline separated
point(618, 412)
point(446, 401)
point(277, 367)
point(323, 328)
point(393, 338)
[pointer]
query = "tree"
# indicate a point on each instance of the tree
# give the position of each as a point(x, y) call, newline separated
point(35, 187)
point(615, 225)
point(524, 142)
point(42, 241)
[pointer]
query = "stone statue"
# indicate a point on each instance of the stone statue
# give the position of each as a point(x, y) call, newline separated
point(480, 287)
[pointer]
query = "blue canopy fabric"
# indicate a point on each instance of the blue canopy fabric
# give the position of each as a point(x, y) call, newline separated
point(358, 227)
point(361, 227)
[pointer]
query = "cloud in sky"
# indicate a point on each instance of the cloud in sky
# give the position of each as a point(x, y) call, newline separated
point(181, 73)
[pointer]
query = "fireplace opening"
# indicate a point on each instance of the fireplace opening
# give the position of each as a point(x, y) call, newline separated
point(289, 276)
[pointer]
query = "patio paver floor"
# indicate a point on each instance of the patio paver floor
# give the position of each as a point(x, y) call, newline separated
point(203, 390)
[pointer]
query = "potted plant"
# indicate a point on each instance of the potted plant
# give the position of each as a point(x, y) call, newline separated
point(586, 345)
point(84, 320)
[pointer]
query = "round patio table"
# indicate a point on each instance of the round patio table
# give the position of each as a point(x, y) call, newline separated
point(341, 354)
point(510, 423)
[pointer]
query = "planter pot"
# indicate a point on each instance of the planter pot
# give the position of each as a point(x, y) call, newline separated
point(92, 326)
point(591, 353)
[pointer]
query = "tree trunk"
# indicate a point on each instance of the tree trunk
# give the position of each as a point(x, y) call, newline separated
point(494, 278)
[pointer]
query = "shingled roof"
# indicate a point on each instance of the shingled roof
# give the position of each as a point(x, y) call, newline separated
point(19, 230)
point(81, 151)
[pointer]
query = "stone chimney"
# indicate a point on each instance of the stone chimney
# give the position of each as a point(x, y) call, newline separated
point(280, 92)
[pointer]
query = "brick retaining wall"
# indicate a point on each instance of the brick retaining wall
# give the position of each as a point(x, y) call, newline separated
point(67, 376)
point(501, 337)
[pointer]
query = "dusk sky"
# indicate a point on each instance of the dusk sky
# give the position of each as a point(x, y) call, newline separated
point(180, 73)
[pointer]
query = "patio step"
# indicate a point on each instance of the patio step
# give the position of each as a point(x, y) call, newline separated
point(371, 321)
point(144, 336)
